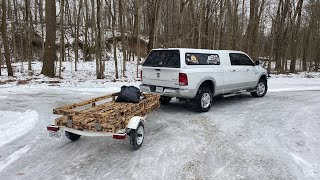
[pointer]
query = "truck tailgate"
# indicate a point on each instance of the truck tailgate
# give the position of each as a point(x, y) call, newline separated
point(160, 76)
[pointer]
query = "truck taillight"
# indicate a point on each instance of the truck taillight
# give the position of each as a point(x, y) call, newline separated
point(53, 128)
point(119, 136)
point(183, 79)
point(141, 75)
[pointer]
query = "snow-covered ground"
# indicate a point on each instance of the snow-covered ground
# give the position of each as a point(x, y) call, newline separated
point(294, 82)
point(241, 137)
point(15, 124)
point(85, 72)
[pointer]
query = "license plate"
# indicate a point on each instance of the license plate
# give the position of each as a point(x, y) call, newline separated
point(55, 135)
point(159, 89)
point(145, 89)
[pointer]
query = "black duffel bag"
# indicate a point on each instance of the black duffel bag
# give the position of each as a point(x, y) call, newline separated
point(129, 94)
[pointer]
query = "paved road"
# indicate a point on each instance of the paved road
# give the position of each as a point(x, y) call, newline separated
point(275, 137)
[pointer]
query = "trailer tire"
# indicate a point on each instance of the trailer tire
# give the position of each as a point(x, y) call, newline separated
point(71, 136)
point(137, 136)
point(165, 100)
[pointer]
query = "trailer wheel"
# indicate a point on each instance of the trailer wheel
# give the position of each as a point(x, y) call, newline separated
point(165, 100)
point(71, 136)
point(137, 136)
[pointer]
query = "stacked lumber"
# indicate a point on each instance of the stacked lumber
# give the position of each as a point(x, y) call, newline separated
point(108, 116)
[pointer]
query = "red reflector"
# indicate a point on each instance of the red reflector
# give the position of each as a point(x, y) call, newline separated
point(52, 128)
point(141, 75)
point(119, 136)
point(183, 79)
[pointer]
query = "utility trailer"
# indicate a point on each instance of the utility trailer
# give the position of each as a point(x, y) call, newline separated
point(103, 116)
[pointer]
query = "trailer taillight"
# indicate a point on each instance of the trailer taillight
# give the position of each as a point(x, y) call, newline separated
point(183, 79)
point(53, 128)
point(119, 136)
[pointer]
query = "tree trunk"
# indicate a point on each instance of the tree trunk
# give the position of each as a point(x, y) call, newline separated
point(13, 25)
point(138, 40)
point(200, 24)
point(114, 42)
point(62, 48)
point(49, 56)
point(181, 7)
point(124, 53)
point(295, 37)
point(256, 10)
point(206, 39)
point(93, 29)
point(41, 22)
point(86, 52)
point(0, 62)
point(28, 29)
point(5, 38)
point(153, 7)
point(77, 38)
point(220, 29)
point(98, 42)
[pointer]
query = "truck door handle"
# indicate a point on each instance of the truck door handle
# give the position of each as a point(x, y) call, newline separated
point(247, 69)
point(233, 70)
point(158, 69)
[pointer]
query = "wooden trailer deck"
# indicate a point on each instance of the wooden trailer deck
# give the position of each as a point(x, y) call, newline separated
point(103, 113)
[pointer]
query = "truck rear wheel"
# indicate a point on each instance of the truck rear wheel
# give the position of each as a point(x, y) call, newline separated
point(261, 89)
point(165, 100)
point(202, 102)
point(137, 136)
point(71, 136)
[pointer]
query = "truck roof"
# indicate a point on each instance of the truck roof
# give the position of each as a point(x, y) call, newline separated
point(200, 50)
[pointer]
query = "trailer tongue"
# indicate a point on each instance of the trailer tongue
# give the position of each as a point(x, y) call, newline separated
point(104, 117)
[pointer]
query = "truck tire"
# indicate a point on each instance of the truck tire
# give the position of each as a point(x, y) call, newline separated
point(165, 100)
point(202, 102)
point(261, 89)
point(71, 136)
point(137, 136)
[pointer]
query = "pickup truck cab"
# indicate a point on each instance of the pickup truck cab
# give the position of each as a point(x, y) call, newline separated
point(198, 75)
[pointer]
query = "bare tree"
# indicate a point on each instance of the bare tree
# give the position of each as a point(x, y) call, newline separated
point(112, 11)
point(98, 43)
point(5, 38)
point(284, 31)
point(77, 36)
point(296, 22)
point(86, 51)
point(137, 33)
point(0, 62)
point(29, 29)
point(62, 46)
point(49, 56)
point(123, 43)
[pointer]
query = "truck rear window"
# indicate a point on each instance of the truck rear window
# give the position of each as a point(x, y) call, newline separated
point(163, 58)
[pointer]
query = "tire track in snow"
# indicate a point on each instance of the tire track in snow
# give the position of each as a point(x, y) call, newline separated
point(13, 157)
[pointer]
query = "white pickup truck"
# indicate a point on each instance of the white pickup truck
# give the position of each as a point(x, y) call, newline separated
point(197, 75)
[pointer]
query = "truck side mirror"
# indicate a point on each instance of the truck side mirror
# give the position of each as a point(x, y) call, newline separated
point(257, 63)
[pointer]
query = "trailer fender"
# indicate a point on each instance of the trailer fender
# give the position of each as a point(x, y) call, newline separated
point(134, 122)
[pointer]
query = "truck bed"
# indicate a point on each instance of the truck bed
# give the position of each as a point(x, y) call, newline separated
point(103, 114)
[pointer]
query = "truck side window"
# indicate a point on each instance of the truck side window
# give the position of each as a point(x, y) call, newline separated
point(240, 59)
point(202, 59)
point(234, 59)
